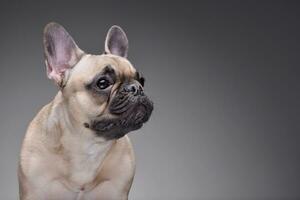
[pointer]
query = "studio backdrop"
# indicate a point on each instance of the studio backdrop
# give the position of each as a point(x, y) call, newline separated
point(223, 76)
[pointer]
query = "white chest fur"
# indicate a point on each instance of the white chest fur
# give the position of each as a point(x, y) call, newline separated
point(85, 158)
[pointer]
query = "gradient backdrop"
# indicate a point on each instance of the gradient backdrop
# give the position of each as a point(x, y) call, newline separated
point(224, 78)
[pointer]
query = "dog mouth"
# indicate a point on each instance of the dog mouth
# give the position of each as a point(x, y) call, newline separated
point(130, 113)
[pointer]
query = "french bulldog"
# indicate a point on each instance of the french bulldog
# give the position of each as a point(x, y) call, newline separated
point(76, 147)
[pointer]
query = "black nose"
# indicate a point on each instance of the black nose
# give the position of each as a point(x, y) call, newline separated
point(134, 89)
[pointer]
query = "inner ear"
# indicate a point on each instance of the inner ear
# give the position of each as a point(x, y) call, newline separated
point(116, 42)
point(61, 52)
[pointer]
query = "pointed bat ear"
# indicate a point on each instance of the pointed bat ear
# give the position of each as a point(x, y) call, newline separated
point(61, 52)
point(116, 42)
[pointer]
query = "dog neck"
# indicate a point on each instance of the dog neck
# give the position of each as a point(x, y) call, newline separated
point(83, 151)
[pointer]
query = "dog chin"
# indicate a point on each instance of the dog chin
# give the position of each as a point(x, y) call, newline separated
point(129, 116)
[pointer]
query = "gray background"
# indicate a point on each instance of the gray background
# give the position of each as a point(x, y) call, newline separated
point(224, 78)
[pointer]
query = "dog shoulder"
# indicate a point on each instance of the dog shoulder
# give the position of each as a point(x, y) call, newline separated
point(34, 140)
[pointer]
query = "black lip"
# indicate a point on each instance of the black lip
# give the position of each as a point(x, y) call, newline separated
point(131, 113)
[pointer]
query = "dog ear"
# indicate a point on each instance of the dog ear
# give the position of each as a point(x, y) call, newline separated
point(116, 42)
point(61, 52)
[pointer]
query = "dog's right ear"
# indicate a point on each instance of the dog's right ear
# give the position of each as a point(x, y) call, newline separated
point(61, 52)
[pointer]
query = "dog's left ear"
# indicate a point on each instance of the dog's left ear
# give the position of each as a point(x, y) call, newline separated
point(116, 42)
point(61, 52)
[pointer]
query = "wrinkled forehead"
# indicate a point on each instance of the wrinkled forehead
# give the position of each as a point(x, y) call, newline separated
point(91, 65)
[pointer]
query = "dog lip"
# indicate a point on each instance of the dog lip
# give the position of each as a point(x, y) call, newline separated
point(119, 108)
point(126, 104)
point(139, 114)
point(128, 116)
point(103, 126)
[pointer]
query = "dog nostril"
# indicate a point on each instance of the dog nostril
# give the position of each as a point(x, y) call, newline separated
point(133, 89)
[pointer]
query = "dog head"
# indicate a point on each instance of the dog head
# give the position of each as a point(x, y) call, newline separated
point(102, 92)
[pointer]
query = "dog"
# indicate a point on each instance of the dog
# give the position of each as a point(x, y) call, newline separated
point(76, 147)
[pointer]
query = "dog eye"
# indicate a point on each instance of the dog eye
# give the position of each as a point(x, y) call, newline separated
point(103, 83)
